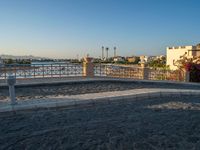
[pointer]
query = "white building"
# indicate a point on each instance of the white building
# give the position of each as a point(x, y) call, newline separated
point(160, 57)
point(118, 59)
point(147, 59)
point(144, 59)
point(174, 54)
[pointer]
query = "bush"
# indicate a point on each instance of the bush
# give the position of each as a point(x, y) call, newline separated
point(194, 73)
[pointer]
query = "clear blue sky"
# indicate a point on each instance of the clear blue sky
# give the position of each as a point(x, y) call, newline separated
point(65, 28)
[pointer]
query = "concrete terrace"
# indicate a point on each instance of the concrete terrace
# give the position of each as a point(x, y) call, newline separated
point(93, 98)
point(161, 117)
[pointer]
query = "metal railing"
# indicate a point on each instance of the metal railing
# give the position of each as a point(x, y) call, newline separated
point(41, 70)
point(137, 73)
point(100, 70)
point(118, 71)
point(172, 75)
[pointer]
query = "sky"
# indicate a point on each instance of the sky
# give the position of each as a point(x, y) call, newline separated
point(71, 28)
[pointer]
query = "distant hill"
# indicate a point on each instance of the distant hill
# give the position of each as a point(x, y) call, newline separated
point(21, 57)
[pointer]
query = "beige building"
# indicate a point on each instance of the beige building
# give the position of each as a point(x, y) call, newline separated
point(174, 54)
point(132, 59)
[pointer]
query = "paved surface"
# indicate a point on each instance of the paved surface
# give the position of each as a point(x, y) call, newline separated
point(167, 123)
point(64, 101)
point(148, 118)
point(39, 89)
point(84, 79)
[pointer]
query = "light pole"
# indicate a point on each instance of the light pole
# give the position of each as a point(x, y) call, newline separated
point(102, 53)
point(107, 52)
point(115, 51)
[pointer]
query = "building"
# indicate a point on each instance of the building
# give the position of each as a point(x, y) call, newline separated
point(143, 59)
point(146, 59)
point(161, 57)
point(175, 53)
point(118, 59)
point(133, 59)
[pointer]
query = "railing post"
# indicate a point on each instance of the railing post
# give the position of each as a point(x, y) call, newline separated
point(5, 73)
point(60, 69)
point(15, 70)
point(75, 69)
point(11, 80)
point(88, 67)
point(1, 70)
point(186, 75)
point(145, 71)
point(43, 70)
point(100, 69)
point(67, 70)
point(51, 71)
point(24, 69)
point(33, 71)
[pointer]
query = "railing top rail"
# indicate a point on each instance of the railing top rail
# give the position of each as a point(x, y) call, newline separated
point(38, 64)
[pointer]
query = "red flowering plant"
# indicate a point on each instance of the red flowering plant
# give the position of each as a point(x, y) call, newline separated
point(190, 64)
point(184, 63)
point(195, 73)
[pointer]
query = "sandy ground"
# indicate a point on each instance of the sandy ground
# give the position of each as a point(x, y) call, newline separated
point(44, 91)
point(148, 124)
